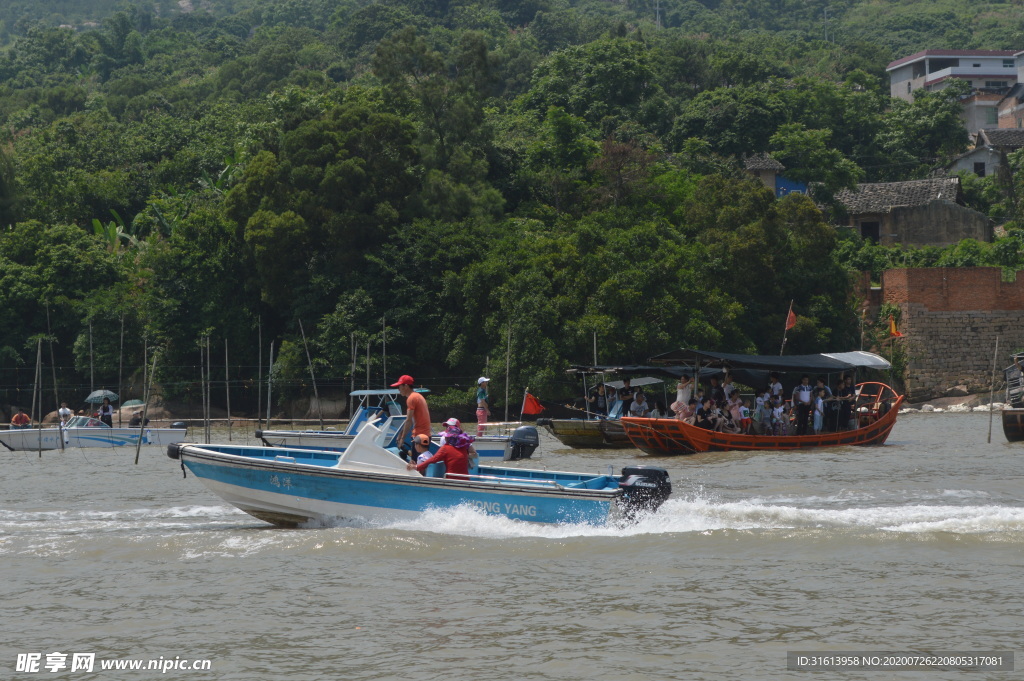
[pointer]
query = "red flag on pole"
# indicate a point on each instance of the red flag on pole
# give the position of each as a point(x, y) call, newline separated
point(893, 333)
point(790, 320)
point(531, 405)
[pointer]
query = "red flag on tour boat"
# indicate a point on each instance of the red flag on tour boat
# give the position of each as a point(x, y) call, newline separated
point(531, 405)
point(790, 320)
point(893, 333)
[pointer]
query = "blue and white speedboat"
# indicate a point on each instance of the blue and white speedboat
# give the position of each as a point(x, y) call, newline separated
point(86, 431)
point(368, 482)
point(381, 403)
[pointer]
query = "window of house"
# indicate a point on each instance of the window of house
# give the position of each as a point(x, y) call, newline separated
point(995, 83)
point(977, 66)
point(979, 169)
point(908, 87)
point(918, 70)
point(991, 116)
point(870, 231)
point(1009, 64)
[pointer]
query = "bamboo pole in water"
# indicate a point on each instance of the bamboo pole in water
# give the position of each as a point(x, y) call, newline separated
point(992, 391)
point(259, 376)
point(92, 381)
point(309, 361)
point(508, 365)
point(352, 376)
point(209, 390)
point(56, 392)
point(35, 389)
point(227, 387)
point(120, 373)
point(270, 380)
point(145, 407)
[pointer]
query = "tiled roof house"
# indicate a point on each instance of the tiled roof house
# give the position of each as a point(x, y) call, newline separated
point(918, 212)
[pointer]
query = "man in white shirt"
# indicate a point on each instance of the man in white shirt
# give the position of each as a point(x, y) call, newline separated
point(802, 398)
point(640, 408)
point(64, 413)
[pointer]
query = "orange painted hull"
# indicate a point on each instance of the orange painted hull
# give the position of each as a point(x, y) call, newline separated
point(661, 437)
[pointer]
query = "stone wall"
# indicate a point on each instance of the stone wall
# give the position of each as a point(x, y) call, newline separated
point(950, 320)
point(940, 223)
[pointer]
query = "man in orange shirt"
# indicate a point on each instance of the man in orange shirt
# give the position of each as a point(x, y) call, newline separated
point(20, 421)
point(415, 409)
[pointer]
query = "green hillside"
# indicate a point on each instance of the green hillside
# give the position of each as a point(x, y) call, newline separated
point(432, 175)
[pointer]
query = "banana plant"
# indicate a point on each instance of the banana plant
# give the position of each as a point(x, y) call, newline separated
point(113, 233)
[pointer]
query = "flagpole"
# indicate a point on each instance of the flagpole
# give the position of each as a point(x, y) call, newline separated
point(526, 390)
point(786, 329)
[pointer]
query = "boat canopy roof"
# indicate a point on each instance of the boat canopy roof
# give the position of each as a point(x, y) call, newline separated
point(386, 391)
point(631, 370)
point(824, 363)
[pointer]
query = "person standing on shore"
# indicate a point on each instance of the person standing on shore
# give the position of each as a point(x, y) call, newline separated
point(482, 399)
point(418, 420)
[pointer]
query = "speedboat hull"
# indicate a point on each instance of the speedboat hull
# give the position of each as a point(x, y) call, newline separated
point(370, 483)
point(51, 438)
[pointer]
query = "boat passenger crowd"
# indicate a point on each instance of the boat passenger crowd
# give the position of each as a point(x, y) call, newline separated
point(719, 406)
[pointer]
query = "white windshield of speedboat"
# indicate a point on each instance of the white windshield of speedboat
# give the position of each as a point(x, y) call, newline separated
point(85, 422)
point(364, 454)
point(389, 431)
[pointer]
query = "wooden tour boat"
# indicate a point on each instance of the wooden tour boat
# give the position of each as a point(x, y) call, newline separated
point(1013, 412)
point(875, 409)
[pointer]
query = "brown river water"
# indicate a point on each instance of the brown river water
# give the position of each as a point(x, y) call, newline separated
point(914, 546)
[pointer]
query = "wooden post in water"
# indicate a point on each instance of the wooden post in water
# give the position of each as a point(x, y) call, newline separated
point(992, 390)
point(145, 407)
point(202, 387)
point(309, 361)
point(227, 387)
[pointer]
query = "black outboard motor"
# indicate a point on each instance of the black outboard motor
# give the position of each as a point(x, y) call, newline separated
point(644, 488)
point(525, 439)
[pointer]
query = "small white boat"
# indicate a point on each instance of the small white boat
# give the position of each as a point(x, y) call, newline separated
point(86, 431)
point(519, 445)
point(290, 487)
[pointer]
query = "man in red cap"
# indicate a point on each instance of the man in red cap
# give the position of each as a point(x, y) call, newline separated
point(415, 409)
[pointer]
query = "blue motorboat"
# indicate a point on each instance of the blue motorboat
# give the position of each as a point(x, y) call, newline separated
point(373, 404)
point(369, 482)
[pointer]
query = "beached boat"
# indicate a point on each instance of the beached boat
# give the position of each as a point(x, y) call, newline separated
point(367, 482)
point(86, 431)
point(599, 431)
point(874, 410)
point(521, 444)
point(1013, 412)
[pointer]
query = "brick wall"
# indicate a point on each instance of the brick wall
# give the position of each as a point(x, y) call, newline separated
point(950, 319)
